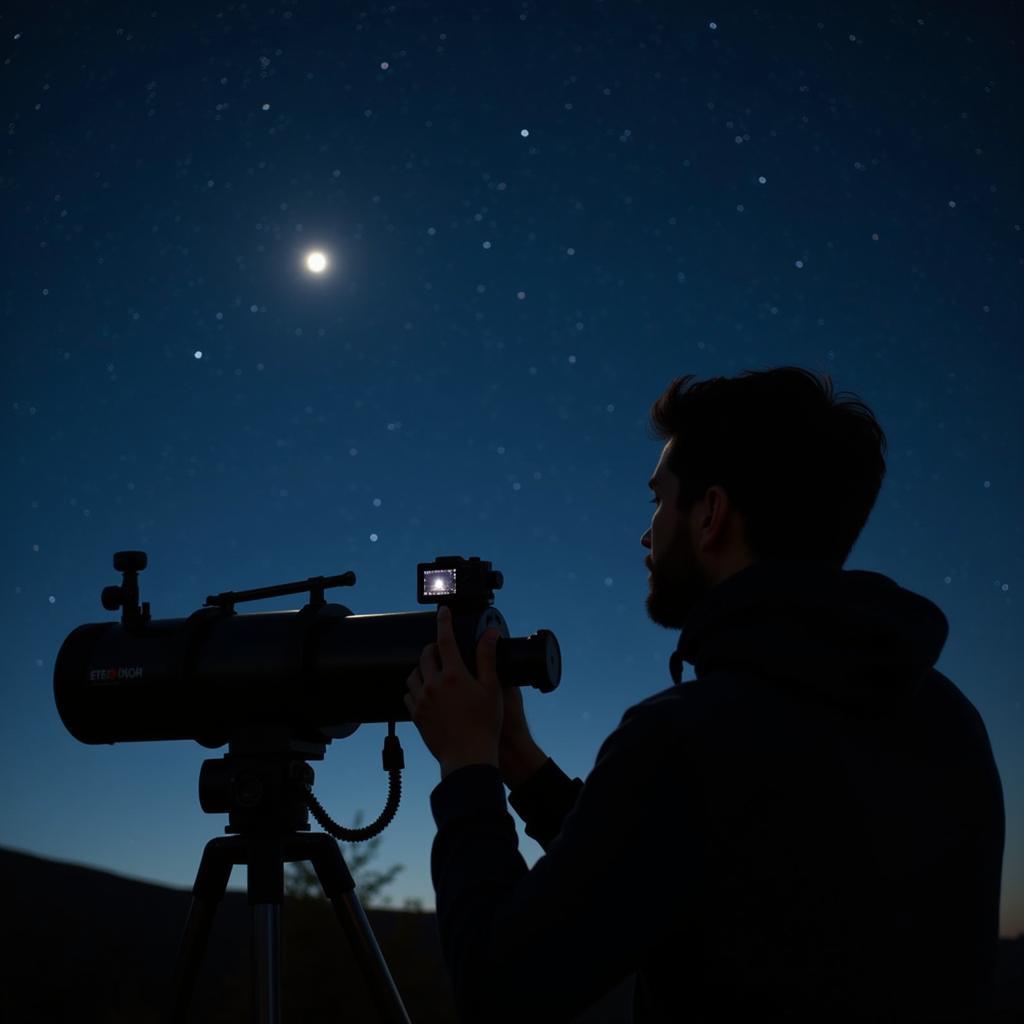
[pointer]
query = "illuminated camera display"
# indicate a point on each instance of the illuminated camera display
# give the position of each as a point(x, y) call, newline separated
point(457, 581)
point(439, 583)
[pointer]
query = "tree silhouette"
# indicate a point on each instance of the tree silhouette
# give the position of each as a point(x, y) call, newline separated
point(301, 883)
point(319, 974)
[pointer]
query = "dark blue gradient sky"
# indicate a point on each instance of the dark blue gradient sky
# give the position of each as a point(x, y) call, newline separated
point(536, 215)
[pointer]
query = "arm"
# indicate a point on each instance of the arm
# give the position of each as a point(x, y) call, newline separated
point(539, 791)
point(543, 944)
point(543, 801)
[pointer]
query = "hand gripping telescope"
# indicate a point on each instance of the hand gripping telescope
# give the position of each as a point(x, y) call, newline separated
point(277, 687)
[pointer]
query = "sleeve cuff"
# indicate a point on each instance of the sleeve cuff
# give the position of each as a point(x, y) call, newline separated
point(468, 791)
point(543, 801)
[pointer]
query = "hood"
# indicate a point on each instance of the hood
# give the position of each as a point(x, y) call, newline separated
point(858, 637)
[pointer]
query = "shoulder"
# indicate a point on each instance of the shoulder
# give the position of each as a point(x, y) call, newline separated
point(696, 703)
point(678, 714)
point(943, 691)
point(723, 715)
point(949, 709)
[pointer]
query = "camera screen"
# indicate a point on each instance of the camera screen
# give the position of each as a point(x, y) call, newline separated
point(438, 582)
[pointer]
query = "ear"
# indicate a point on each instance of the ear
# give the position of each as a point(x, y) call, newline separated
point(718, 520)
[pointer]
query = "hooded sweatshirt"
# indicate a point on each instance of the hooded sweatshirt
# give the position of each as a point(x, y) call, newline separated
point(811, 829)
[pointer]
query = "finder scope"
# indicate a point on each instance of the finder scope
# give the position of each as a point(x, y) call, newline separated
point(318, 671)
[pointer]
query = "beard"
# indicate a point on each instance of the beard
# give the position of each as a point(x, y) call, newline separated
point(677, 585)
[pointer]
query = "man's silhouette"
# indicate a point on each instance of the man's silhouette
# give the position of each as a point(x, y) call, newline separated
point(816, 818)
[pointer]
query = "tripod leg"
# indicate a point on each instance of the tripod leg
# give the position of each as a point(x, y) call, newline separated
point(211, 881)
point(330, 867)
point(266, 890)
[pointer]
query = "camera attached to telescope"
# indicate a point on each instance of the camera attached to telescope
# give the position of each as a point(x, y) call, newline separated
point(320, 670)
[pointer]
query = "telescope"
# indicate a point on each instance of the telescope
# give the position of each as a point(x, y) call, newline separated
point(319, 671)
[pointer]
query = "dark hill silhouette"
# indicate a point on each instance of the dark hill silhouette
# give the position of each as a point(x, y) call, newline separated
point(91, 946)
point(87, 946)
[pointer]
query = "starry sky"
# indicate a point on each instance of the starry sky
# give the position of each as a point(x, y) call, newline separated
point(534, 216)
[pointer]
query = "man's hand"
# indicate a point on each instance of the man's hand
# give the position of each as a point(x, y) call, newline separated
point(458, 716)
point(519, 757)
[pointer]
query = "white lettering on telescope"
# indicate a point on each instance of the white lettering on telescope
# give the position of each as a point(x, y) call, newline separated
point(110, 675)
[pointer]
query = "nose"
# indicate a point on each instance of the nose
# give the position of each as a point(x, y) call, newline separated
point(645, 540)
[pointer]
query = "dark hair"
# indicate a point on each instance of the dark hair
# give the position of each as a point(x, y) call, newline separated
point(801, 466)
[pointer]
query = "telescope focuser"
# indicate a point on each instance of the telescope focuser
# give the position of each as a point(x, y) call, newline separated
point(126, 596)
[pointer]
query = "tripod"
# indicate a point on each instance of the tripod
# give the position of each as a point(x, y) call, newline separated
point(260, 783)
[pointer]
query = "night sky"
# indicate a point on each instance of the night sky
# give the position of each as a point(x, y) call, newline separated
point(534, 216)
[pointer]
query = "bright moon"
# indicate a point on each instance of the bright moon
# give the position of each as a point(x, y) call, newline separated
point(316, 262)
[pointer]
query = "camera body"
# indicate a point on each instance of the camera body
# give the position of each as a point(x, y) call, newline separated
point(460, 583)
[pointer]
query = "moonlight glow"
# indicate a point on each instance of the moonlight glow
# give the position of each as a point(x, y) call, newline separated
point(316, 262)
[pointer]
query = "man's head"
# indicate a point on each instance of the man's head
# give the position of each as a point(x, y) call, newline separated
point(768, 465)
